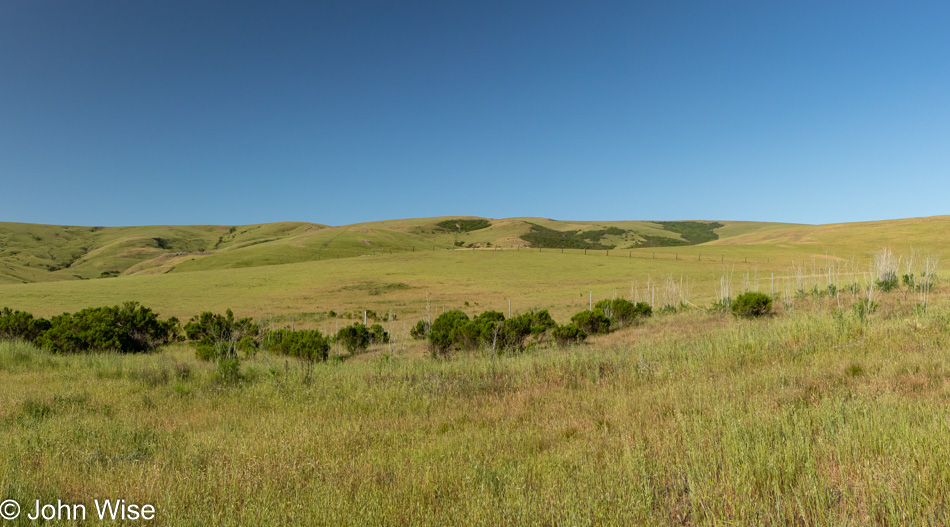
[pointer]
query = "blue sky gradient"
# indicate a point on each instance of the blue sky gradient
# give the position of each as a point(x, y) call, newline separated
point(172, 112)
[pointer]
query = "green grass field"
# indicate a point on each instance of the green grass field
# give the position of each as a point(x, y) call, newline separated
point(692, 419)
point(818, 415)
point(38, 253)
point(486, 279)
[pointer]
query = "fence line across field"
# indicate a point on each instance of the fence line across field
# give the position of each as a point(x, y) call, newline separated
point(630, 254)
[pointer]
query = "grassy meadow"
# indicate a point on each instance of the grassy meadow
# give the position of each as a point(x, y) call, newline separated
point(812, 417)
point(560, 281)
point(832, 411)
point(32, 253)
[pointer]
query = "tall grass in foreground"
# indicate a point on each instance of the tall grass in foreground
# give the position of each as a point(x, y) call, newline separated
point(809, 418)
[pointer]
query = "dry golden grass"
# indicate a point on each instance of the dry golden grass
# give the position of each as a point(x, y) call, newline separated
point(810, 417)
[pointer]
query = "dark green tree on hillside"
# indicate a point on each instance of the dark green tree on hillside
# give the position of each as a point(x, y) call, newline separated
point(463, 225)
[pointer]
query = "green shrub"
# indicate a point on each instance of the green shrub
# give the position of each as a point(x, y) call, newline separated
point(540, 323)
point(888, 282)
point(539, 236)
point(379, 335)
point(20, 325)
point(129, 328)
point(622, 312)
point(659, 241)
point(481, 329)
point(420, 330)
point(463, 225)
point(513, 333)
point(447, 332)
point(751, 304)
point(355, 338)
point(926, 282)
point(597, 234)
point(592, 321)
point(490, 329)
point(692, 231)
point(218, 336)
point(569, 334)
point(908, 280)
point(309, 345)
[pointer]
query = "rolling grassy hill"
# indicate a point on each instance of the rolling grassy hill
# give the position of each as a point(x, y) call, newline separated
point(930, 234)
point(36, 253)
point(40, 253)
point(306, 271)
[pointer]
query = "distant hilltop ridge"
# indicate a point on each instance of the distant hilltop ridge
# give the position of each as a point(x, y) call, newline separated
point(37, 253)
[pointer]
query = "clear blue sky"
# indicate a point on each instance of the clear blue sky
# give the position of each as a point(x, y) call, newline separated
point(184, 112)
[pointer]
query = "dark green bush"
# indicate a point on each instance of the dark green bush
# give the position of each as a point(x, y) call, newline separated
point(480, 329)
point(693, 231)
point(490, 329)
point(309, 345)
point(660, 241)
point(21, 325)
point(888, 282)
point(221, 335)
point(379, 335)
point(592, 321)
point(512, 334)
point(420, 330)
point(751, 304)
point(540, 323)
point(129, 328)
point(355, 338)
point(622, 312)
point(463, 225)
point(539, 236)
point(569, 334)
point(908, 280)
point(447, 332)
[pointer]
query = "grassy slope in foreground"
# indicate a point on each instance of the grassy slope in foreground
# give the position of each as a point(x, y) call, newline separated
point(691, 419)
